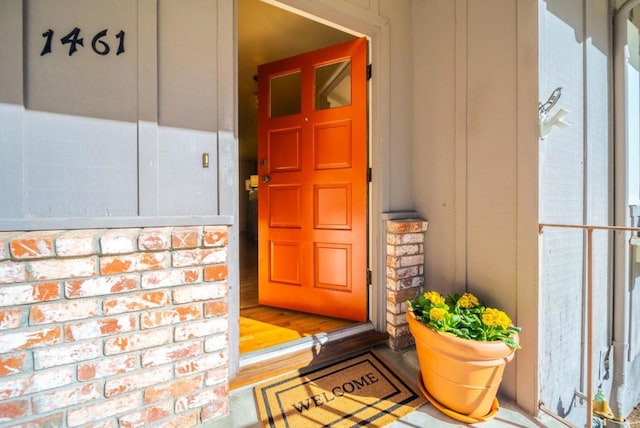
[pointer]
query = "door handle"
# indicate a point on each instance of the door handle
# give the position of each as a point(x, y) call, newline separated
point(266, 178)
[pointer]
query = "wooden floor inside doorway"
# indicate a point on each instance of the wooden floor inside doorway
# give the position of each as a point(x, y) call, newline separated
point(263, 326)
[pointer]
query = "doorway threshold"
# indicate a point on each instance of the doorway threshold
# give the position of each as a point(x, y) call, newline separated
point(309, 351)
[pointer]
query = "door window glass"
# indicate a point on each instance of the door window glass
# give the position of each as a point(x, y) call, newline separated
point(286, 94)
point(333, 85)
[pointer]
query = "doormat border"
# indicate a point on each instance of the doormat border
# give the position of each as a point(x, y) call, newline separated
point(269, 418)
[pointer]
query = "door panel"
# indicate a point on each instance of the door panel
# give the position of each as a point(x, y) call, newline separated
point(333, 270)
point(286, 206)
point(285, 150)
point(313, 186)
point(332, 205)
point(333, 145)
point(286, 257)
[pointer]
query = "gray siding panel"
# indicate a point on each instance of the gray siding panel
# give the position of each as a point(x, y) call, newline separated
point(185, 187)
point(187, 64)
point(77, 166)
point(11, 180)
point(82, 83)
point(187, 107)
point(11, 110)
point(111, 135)
point(11, 51)
point(492, 157)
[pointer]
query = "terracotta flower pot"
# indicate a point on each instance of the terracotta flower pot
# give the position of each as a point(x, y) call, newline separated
point(461, 375)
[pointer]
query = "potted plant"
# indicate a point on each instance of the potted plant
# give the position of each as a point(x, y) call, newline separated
point(462, 347)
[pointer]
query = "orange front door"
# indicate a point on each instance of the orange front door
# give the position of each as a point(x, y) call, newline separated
point(312, 194)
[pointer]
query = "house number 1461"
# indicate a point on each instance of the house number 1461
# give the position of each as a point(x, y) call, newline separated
point(99, 43)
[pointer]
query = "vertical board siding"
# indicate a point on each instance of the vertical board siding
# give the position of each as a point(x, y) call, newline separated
point(492, 144)
point(148, 186)
point(187, 106)
point(185, 187)
point(11, 108)
point(80, 135)
point(78, 166)
point(434, 151)
point(492, 152)
point(187, 64)
point(467, 155)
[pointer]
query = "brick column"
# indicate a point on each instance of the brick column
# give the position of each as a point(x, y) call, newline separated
point(405, 275)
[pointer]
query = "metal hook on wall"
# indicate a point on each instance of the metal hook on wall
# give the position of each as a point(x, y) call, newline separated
point(548, 122)
point(543, 109)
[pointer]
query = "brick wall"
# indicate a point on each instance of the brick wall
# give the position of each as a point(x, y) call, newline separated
point(119, 327)
point(405, 275)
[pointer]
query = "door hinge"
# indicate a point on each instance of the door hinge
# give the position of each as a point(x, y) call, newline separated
point(369, 175)
point(368, 71)
point(368, 276)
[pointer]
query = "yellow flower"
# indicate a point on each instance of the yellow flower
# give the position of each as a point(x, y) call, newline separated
point(468, 301)
point(504, 321)
point(458, 315)
point(434, 297)
point(437, 314)
point(495, 317)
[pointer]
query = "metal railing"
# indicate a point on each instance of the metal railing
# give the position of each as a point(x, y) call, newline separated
point(589, 345)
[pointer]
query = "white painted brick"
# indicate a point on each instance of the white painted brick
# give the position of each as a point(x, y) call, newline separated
point(202, 363)
point(216, 343)
point(104, 409)
point(61, 355)
point(412, 260)
point(197, 400)
point(137, 380)
point(101, 285)
point(5, 238)
point(60, 269)
point(216, 376)
point(207, 256)
point(155, 238)
point(170, 278)
point(119, 241)
point(11, 272)
point(32, 338)
point(16, 386)
point(197, 293)
point(169, 354)
point(77, 242)
point(201, 328)
point(137, 341)
point(67, 397)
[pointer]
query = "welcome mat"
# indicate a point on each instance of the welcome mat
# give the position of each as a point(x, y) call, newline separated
point(359, 391)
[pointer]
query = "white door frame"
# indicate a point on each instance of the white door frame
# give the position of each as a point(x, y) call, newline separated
point(359, 22)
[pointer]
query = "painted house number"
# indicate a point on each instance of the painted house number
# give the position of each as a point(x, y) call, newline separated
point(99, 45)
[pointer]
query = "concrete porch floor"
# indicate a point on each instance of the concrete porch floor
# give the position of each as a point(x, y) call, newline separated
point(243, 411)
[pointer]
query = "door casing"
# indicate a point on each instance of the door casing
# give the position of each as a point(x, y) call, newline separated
point(376, 29)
